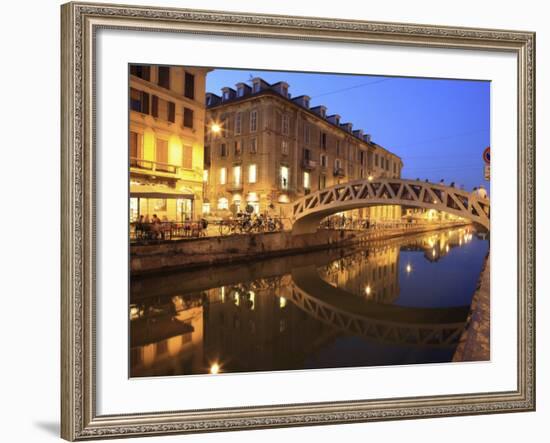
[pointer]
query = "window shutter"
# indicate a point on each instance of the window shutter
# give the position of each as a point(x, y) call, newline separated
point(189, 85)
point(133, 144)
point(145, 103)
point(164, 77)
point(187, 117)
point(187, 157)
point(162, 151)
point(171, 112)
point(155, 109)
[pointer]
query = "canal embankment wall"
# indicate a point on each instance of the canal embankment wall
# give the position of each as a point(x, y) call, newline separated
point(208, 251)
point(474, 343)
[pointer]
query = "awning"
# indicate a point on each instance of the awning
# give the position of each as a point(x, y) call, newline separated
point(155, 192)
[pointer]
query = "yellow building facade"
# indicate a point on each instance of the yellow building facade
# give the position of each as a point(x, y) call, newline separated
point(266, 149)
point(166, 141)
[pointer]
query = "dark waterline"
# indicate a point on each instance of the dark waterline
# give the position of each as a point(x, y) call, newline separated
point(401, 302)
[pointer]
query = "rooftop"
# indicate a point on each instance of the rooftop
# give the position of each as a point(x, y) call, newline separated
point(280, 89)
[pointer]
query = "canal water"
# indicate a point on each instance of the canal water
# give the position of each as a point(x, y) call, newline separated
point(402, 301)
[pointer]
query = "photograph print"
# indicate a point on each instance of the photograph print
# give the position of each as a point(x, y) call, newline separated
point(283, 221)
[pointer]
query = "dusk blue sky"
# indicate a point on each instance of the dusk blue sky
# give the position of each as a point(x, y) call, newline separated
point(438, 127)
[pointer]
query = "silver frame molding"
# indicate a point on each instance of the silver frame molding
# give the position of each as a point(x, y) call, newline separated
point(80, 21)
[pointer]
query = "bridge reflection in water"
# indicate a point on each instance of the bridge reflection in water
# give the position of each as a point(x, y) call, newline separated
point(403, 301)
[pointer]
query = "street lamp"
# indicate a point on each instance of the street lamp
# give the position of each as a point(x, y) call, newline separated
point(215, 128)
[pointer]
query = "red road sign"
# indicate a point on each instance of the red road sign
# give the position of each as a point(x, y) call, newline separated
point(487, 155)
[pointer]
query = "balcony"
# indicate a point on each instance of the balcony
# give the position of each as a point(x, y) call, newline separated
point(168, 170)
point(151, 166)
point(339, 172)
point(234, 187)
point(309, 165)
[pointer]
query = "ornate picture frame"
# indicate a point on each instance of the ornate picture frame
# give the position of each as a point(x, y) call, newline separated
point(80, 22)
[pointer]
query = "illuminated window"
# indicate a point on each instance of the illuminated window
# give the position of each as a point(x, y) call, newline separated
point(284, 177)
point(252, 170)
point(206, 208)
point(237, 202)
point(134, 209)
point(205, 176)
point(236, 175)
point(307, 183)
point(223, 203)
point(159, 204)
point(223, 176)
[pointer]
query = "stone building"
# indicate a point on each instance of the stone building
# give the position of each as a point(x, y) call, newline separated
point(266, 149)
point(166, 141)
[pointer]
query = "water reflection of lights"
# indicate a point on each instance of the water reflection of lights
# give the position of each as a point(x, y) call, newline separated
point(368, 290)
point(447, 248)
point(222, 293)
point(433, 252)
point(408, 268)
point(215, 368)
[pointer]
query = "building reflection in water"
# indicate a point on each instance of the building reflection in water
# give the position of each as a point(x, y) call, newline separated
point(241, 320)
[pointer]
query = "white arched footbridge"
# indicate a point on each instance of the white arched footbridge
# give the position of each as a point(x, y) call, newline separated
point(308, 211)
